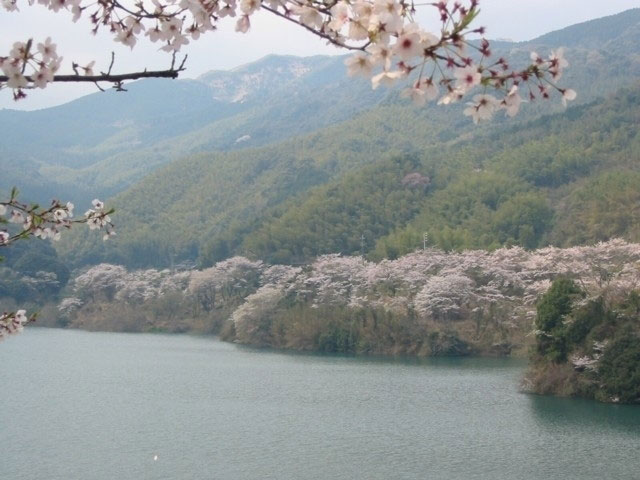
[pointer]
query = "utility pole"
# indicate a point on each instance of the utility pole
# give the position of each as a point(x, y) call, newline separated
point(425, 239)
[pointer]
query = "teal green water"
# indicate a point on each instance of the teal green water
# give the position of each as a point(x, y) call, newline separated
point(78, 405)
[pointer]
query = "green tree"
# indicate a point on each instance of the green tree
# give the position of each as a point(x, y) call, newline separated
point(552, 309)
point(619, 367)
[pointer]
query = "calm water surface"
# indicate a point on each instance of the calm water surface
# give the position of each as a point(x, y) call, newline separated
point(78, 405)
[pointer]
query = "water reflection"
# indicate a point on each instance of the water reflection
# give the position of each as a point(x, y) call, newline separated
point(582, 414)
point(454, 363)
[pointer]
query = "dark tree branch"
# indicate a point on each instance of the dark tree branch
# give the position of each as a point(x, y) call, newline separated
point(320, 34)
point(111, 78)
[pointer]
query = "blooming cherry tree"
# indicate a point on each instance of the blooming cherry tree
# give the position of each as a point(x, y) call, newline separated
point(225, 279)
point(389, 45)
point(251, 319)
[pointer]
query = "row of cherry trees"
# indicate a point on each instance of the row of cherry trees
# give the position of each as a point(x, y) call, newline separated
point(433, 285)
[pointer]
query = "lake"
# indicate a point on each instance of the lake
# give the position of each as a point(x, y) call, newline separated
point(80, 405)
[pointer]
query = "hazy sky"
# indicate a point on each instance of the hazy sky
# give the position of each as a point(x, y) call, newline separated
point(225, 49)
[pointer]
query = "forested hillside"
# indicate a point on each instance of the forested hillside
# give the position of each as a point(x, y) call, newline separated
point(199, 198)
point(570, 178)
point(567, 179)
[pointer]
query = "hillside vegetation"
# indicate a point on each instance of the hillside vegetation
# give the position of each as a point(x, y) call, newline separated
point(194, 200)
point(566, 179)
point(587, 346)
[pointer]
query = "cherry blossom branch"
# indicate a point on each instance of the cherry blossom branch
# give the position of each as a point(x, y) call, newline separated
point(34, 221)
point(331, 39)
point(390, 46)
point(14, 322)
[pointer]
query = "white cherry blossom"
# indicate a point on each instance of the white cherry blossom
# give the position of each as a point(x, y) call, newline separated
point(511, 103)
point(482, 107)
point(467, 77)
point(42, 77)
point(359, 64)
point(380, 55)
point(309, 16)
point(358, 31)
point(47, 50)
point(340, 16)
point(386, 78)
point(568, 95)
point(243, 24)
point(408, 46)
point(16, 217)
point(452, 96)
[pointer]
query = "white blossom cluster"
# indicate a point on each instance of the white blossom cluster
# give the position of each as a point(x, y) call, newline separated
point(69, 305)
point(583, 362)
point(331, 280)
point(41, 60)
point(591, 361)
point(436, 285)
point(232, 277)
point(31, 220)
point(249, 316)
point(444, 64)
point(97, 218)
point(113, 282)
point(12, 323)
point(45, 223)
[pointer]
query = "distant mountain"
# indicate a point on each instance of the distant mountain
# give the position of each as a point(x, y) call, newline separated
point(603, 33)
point(105, 141)
point(273, 76)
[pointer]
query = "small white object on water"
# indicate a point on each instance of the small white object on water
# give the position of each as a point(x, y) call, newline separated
point(155, 458)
